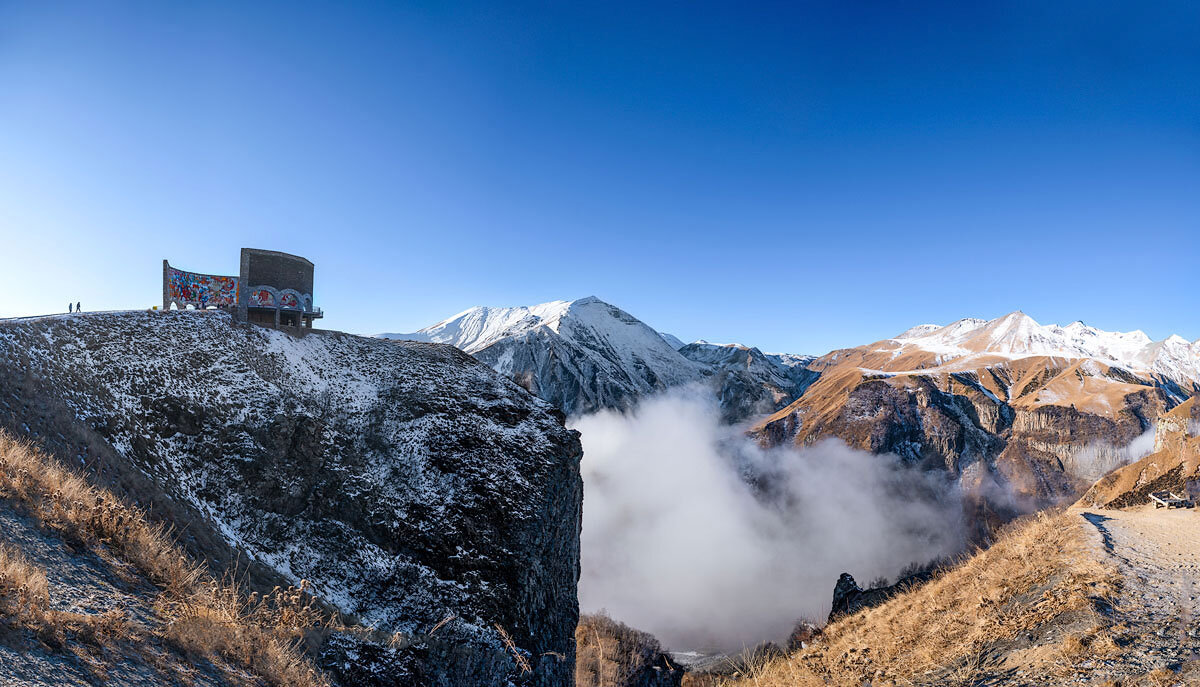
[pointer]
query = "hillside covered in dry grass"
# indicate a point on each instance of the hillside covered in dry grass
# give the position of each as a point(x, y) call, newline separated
point(1030, 610)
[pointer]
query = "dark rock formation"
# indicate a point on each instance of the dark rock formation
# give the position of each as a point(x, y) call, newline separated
point(407, 482)
point(849, 598)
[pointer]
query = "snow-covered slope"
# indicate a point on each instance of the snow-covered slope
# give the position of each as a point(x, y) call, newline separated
point(674, 341)
point(1016, 335)
point(477, 328)
point(580, 355)
point(407, 482)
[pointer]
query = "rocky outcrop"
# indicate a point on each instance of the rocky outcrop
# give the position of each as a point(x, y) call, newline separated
point(849, 598)
point(412, 486)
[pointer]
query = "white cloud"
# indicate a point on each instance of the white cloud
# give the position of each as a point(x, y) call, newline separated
point(1097, 459)
point(676, 541)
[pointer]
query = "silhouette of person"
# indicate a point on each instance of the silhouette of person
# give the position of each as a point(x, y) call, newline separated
point(78, 307)
point(69, 306)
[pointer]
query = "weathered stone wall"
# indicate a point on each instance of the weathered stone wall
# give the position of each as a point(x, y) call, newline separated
point(276, 269)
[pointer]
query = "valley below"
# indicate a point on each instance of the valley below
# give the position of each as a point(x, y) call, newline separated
point(445, 504)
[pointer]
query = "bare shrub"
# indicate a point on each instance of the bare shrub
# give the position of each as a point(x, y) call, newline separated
point(24, 593)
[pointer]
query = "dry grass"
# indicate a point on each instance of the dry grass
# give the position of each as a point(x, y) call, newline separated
point(200, 615)
point(24, 593)
point(25, 604)
point(1038, 570)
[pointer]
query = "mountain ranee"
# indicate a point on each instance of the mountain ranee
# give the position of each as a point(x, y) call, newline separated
point(587, 355)
point(1022, 414)
point(1007, 402)
point(410, 485)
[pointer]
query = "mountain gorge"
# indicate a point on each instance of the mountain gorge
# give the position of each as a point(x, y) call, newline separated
point(1021, 414)
point(416, 489)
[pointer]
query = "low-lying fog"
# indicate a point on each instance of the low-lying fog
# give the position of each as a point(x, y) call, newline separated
point(676, 541)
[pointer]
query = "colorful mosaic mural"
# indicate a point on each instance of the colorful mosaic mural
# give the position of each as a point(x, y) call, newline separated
point(263, 298)
point(289, 300)
point(201, 290)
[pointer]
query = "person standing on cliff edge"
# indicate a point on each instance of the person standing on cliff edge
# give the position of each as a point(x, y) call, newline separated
point(69, 306)
point(78, 307)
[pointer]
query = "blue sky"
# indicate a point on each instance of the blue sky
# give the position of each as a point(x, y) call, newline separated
point(797, 176)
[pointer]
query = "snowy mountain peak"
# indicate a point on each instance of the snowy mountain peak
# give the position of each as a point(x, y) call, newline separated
point(477, 328)
point(581, 355)
point(1017, 335)
point(702, 342)
point(919, 330)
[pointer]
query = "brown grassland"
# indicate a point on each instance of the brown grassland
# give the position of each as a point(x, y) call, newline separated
point(965, 625)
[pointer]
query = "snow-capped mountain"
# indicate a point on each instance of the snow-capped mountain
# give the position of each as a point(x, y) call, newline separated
point(580, 355)
point(585, 355)
point(1039, 410)
point(1017, 335)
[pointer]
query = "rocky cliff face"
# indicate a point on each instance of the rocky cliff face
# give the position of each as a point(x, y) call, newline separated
point(408, 483)
point(1019, 433)
point(748, 382)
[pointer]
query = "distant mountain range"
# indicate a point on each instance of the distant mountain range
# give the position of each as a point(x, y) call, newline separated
point(1035, 409)
point(1022, 414)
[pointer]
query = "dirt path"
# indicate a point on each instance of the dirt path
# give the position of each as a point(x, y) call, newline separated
point(1158, 554)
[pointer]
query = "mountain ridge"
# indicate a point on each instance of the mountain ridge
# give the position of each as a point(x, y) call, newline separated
point(587, 355)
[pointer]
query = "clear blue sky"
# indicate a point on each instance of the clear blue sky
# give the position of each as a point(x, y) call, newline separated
point(797, 176)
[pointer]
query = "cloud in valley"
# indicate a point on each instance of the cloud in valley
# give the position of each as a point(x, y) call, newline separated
point(676, 541)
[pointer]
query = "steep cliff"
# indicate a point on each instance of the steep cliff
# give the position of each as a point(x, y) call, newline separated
point(406, 482)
